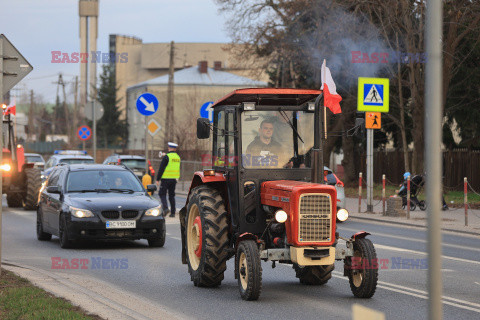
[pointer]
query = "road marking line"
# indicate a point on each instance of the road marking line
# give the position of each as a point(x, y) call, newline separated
point(478, 283)
point(417, 240)
point(176, 238)
point(421, 294)
point(379, 246)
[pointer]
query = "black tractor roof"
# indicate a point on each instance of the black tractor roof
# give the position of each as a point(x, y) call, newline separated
point(269, 96)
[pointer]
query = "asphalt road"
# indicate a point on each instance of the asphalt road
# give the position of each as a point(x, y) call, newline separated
point(158, 275)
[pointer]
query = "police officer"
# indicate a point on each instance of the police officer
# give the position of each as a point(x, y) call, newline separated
point(168, 173)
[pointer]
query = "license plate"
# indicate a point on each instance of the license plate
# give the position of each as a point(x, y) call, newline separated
point(121, 224)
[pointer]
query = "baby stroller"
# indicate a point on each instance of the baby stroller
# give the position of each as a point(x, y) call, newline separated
point(416, 184)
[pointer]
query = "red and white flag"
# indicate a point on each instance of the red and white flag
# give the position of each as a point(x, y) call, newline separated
point(330, 96)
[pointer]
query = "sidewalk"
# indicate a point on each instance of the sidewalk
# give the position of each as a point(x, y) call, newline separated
point(452, 219)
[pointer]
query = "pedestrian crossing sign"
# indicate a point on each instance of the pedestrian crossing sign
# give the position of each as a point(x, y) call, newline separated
point(373, 94)
point(373, 120)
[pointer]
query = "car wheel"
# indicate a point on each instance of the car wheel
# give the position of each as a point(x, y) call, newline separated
point(65, 243)
point(158, 242)
point(41, 236)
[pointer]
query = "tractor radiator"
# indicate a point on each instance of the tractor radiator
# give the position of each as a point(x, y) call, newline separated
point(315, 218)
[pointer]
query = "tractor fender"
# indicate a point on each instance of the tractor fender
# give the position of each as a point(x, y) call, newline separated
point(218, 181)
point(360, 235)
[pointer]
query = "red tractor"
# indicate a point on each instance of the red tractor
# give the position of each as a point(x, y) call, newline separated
point(20, 181)
point(265, 199)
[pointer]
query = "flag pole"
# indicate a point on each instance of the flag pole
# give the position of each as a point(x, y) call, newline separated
point(324, 108)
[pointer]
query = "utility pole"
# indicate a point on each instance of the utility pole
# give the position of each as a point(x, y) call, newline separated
point(169, 125)
point(75, 107)
point(30, 118)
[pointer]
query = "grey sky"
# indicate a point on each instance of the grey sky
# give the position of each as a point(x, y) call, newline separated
point(37, 27)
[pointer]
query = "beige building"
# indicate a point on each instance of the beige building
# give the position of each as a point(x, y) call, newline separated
point(193, 87)
point(137, 61)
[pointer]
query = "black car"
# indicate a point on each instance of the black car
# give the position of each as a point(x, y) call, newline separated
point(98, 202)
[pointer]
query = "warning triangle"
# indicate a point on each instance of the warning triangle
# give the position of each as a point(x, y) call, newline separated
point(373, 96)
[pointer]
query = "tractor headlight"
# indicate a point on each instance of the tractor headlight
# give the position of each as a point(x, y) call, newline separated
point(81, 213)
point(154, 212)
point(6, 167)
point(281, 216)
point(342, 215)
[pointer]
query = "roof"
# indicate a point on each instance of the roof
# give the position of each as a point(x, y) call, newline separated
point(79, 167)
point(129, 156)
point(71, 156)
point(269, 96)
point(191, 76)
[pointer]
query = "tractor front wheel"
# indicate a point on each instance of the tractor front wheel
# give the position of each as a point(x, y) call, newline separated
point(14, 199)
point(363, 275)
point(33, 185)
point(314, 275)
point(206, 237)
point(249, 270)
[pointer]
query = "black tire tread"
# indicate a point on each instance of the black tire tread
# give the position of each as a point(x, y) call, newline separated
point(314, 275)
point(33, 185)
point(14, 200)
point(215, 239)
point(41, 235)
point(254, 285)
point(369, 282)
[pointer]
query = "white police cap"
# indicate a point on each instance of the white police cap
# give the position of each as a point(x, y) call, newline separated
point(172, 145)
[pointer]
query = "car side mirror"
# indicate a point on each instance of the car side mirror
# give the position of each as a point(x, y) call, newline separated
point(203, 128)
point(54, 189)
point(151, 188)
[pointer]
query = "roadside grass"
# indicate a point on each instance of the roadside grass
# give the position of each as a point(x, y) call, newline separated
point(19, 299)
point(455, 196)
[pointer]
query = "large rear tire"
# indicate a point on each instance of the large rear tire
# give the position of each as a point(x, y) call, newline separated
point(14, 199)
point(363, 275)
point(249, 270)
point(206, 237)
point(33, 185)
point(314, 275)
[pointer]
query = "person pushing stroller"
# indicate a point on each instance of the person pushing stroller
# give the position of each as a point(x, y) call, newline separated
point(416, 184)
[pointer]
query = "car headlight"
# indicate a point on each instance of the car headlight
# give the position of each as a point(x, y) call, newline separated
point(342, 215)
point(281, 216)
point(81, 213)
point(154, 212)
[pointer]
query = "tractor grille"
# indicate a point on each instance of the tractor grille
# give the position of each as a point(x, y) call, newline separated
point(110, 214)
point(315, 218)
point(129, 214)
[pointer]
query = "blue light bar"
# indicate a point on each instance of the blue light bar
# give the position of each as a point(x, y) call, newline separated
point(70, 152)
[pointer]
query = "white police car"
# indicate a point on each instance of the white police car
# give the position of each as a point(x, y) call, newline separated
point(65, 156)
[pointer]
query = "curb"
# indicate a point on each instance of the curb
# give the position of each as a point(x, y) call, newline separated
point(414, 225)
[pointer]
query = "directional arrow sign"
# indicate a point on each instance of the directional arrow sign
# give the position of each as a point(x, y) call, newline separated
point(153, 127)
point(206, 111)
point(147, 104)
point(15, 66)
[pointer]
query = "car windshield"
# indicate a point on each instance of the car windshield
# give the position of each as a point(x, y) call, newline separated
point(134, 163)
point(103, 180)
point(277, 139)
point(76, 161)
point(33, 159)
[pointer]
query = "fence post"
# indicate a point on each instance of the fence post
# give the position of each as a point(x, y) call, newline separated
point(359, 192)
point(383, 193)
point(408, 197)
point(465, 200)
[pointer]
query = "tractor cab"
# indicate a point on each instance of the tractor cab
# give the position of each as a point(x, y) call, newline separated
point(264, 197)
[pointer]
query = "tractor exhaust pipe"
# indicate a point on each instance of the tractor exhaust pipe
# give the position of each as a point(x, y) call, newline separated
point(317, 151)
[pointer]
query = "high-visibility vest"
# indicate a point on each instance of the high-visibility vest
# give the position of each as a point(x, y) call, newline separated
point(172, 171)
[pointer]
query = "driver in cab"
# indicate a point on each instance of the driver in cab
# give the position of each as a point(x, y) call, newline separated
point(264, 150)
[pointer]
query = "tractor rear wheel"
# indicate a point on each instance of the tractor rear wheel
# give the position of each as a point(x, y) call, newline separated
point(14, 199)
point(363, 275)
point(314, 275)
point(249, 270)
point(33, 185)
point(207, 237)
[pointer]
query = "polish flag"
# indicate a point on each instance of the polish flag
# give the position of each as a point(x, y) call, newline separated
point(330, 96)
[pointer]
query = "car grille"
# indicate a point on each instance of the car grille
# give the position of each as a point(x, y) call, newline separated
point(315, 218)
point(111, 214)
point(129, 214)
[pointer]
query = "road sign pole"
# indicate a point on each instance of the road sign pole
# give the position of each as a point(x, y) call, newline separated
point(369, 170)
point(146, 144)
point(433, 137)
point(1, 148)
point(94, 129)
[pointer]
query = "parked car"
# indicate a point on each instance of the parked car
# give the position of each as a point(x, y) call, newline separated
point(332, 179)
point(98, 202)
point(135, 163)
point(36, 159)
point(67, 157)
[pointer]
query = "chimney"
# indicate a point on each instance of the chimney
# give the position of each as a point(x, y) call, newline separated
point(203, 66)
point(217, 65)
